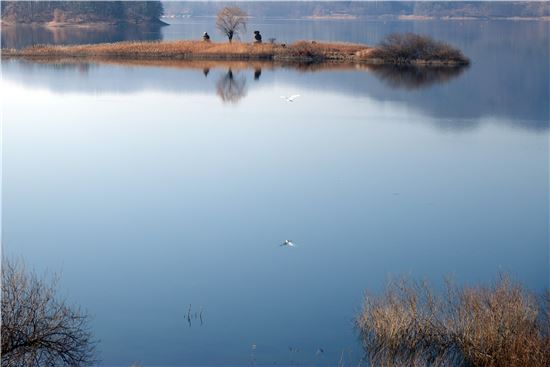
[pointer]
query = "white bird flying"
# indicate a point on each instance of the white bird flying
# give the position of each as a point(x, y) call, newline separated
point(291, 98)
point(287, 243)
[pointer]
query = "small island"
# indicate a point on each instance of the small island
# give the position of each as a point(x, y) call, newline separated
point(396, 49)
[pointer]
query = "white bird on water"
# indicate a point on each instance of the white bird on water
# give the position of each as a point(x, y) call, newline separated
point(291, 98)
point(288, 243)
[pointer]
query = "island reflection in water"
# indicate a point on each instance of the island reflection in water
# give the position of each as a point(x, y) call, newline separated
point(231, 86)
point(448, 94)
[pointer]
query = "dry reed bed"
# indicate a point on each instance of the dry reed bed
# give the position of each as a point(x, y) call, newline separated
point(502, 325)
point(395, 49)
point(196, 50)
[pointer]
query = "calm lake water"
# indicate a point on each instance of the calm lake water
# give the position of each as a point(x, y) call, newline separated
point(155, 188)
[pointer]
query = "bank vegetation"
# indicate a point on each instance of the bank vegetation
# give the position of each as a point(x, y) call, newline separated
point(501, 325)
point(405, 49)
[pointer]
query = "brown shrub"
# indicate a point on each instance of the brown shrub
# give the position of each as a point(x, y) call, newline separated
point(304, 50)
point(412, 48)
point(497, 326)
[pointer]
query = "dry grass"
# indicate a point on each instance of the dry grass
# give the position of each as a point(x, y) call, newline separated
point(410, 48)
point(319, 51)
point(197, 50)
point(502, 325)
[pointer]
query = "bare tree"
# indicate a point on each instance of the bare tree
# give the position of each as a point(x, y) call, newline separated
point(39, 329)
point(231, 21)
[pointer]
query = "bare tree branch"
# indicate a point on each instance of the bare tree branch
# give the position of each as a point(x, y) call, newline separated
point(39, 329)
point(231, 21)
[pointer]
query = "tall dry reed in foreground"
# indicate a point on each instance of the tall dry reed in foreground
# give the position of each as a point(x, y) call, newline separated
point(502, 325)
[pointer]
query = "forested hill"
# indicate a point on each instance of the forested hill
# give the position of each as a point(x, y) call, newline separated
point(367, 9)
point(81, 12)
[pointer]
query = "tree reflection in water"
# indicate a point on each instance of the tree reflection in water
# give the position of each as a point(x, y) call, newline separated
point(231, 88)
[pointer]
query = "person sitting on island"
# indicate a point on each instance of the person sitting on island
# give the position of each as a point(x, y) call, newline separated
point(206, 37)
point(257, 37)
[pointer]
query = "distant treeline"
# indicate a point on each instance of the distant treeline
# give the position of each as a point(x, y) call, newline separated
point(81, 12)
point(367, 9)
point(142, 12)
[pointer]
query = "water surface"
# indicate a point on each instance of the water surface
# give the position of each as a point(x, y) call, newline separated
point(155, 188)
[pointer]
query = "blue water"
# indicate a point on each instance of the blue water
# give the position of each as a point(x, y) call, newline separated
point(154, 188)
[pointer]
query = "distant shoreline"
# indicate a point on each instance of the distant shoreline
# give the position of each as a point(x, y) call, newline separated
point(457, 18)
point(82, 25)
point(300, 52)
point(405, 17)
point(165, 20)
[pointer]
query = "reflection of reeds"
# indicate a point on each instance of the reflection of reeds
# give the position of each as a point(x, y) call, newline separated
point(197, 315)
point(204, 65)
point(500, 325)
point(414, 77)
